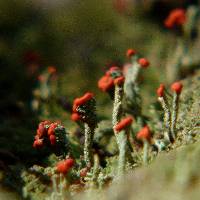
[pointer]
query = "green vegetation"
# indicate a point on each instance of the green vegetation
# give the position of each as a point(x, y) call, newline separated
point(122, 143)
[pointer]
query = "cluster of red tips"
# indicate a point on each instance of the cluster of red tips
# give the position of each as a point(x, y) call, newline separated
point(105, 83)
point(177, 17)
point(42, 130)
point(51, 70)
point(64, 166)
point(46, 130)
point(112, 70)
point(111, 78)
point(119, 80)
point(51, 130)
point(124, 123)
point(130, 53)
point(143, 62)
point(52, 139)
point(160, 91)
point(38, 143)
point(82, 100)
point(177, 87)
point(41, 133)
point(144, 134)
point(75, 116)
point(41, 78)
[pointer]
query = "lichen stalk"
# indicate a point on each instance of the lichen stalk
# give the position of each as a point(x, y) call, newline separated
point(122, 137)
point(133, 72)
point(117, 108)
point(96, 171)
point(175, 105)
point(167, 117)
point(89, 133)
point(58, 187)
point(131, 78)
point(131, 90)
point(145, 152)
point(85, 109)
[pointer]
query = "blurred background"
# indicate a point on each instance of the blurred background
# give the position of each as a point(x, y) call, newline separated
point(81, 38)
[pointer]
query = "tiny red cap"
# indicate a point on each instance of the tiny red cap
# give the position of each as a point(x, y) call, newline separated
point(52, 139)
point(38, 143)
point(41, 131)
point(70, 162)
point(119, 80)
point(123, 124)
point(143, 62)
point(177, 87)
point(82, 100)
point(160, 90)
point(51, 130)
point(51, 70)
point(176, 17)
point(130, 53)
point(41, 78)
point(144, 133)
point(64, 166)
point(75, 117)
point(111, 70)
point(105, 83)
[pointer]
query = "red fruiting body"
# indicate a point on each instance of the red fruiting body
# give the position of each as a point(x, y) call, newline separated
point(45, 128)
point(105, 83)
point(143, 62)
point(119, 80)
point(177, 87)
point(64, 166)
point(41, 131)
point(70, 162)
point(38, 143)
point(160, 90)
point(39, 134)
point(41, 78)
point(177, 17)
point(144, 133)
point(52, 139)
point(74, 105)
point(123, 124)
point(51, 130)
point(130, 53)
point(75, 117)
point(51, 70)
point(112, 69)
point(61, 167)
point(37, 137)
point(82, 100)
point(46, 122)
point(83, 172)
